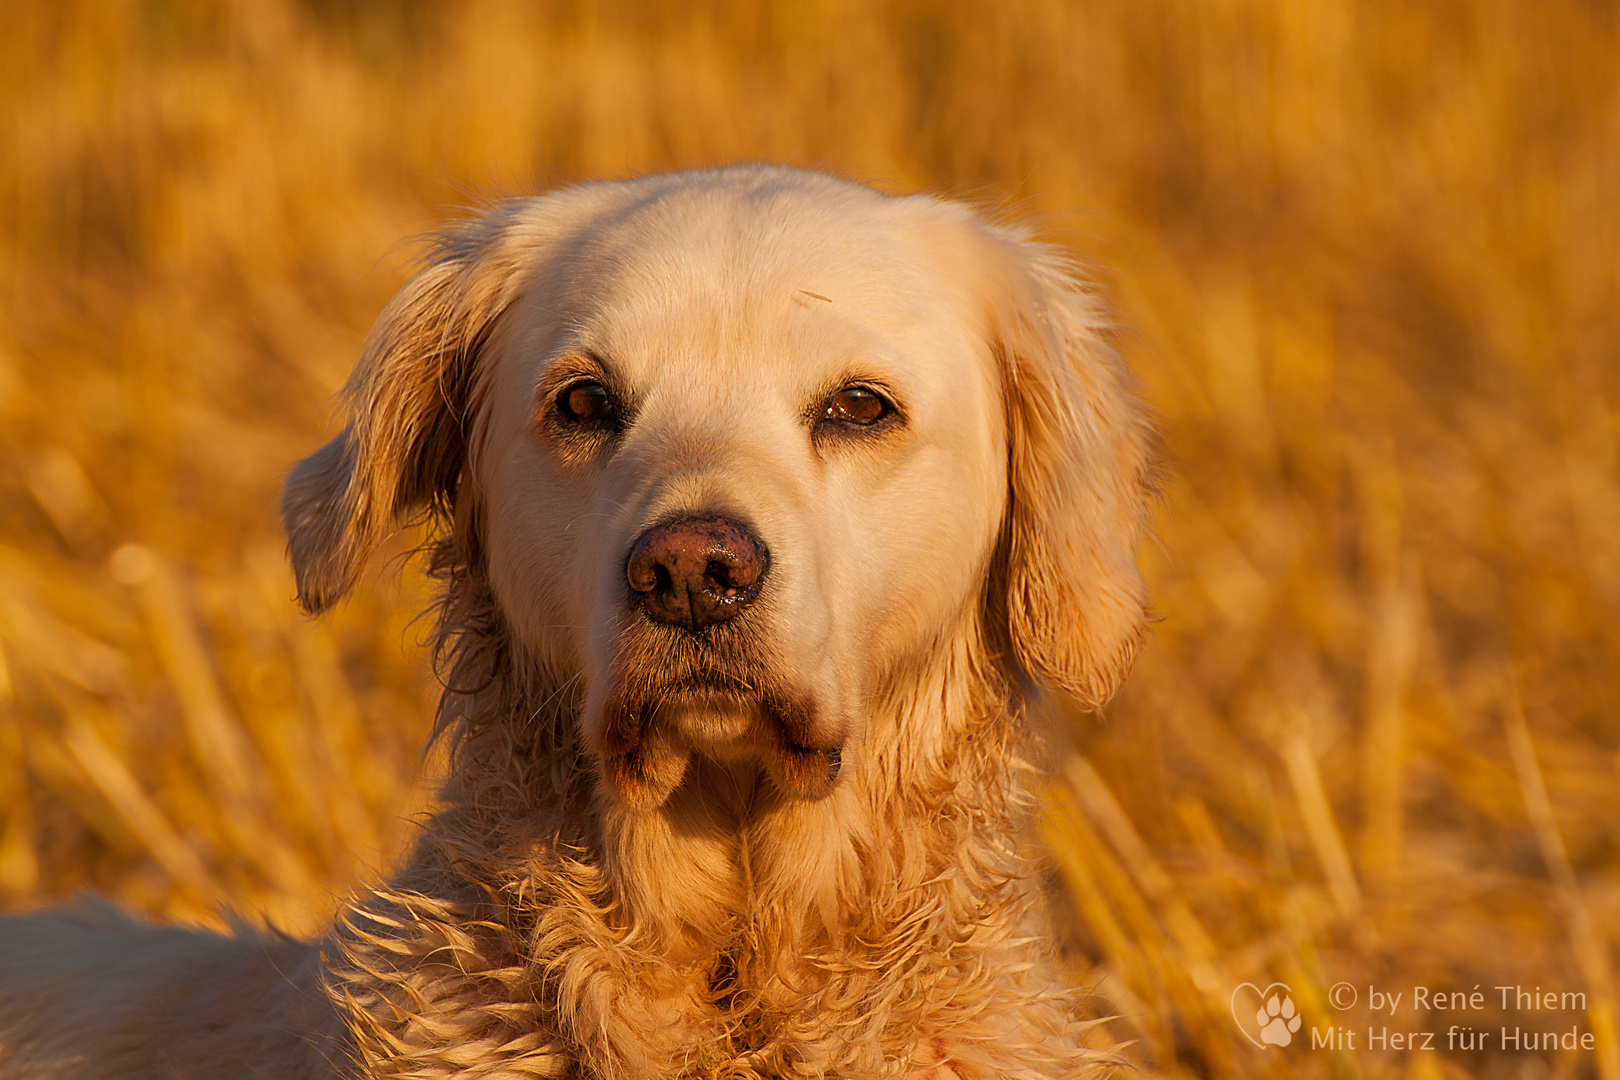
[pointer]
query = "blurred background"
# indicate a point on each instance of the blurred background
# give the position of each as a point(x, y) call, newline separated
point(1365, 256)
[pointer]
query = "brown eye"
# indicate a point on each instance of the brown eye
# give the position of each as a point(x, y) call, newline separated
point(858, 405)
point(587, 402)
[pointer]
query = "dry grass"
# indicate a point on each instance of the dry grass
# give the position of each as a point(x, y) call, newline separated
point(1368, 253)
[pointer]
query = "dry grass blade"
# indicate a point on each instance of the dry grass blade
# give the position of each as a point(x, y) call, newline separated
point(1585, 937)
point(1317, 814)
point(1197, 946)
point(140, 813)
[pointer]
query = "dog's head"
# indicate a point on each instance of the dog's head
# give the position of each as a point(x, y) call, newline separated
point(735, 450)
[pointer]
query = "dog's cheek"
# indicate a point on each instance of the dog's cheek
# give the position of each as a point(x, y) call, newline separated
point(935, 532)
point(531, 592)
point(534, 523)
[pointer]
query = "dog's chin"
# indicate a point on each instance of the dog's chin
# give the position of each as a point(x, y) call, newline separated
point(645, 743)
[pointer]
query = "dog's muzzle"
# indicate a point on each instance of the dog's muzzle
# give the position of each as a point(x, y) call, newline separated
point(688, 576)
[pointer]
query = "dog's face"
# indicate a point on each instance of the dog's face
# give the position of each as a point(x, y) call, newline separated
point(743, 449)
point(739, 476)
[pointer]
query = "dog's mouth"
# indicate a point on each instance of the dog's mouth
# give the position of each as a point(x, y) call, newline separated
point(645, 736)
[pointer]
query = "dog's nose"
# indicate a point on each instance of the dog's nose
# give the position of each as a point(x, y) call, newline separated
point(697, 572)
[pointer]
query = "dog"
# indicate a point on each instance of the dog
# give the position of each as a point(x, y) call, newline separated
point(766, 509)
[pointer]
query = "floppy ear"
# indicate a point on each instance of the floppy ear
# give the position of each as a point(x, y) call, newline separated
point(409, 405)
point(1080, 474)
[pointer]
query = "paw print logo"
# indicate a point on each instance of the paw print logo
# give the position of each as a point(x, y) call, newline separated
point(1278, 1020)
point(1275, 1018)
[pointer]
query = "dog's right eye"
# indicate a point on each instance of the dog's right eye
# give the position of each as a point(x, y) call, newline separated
point(588, 404)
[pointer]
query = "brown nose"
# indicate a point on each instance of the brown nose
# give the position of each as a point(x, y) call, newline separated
point(697, 572)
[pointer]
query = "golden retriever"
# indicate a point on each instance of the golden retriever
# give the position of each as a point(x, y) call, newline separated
point(764, 507)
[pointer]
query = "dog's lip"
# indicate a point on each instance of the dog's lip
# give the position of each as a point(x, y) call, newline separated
point(645, 752)
point(708, 694)
point(709, 683)
point(662, 704)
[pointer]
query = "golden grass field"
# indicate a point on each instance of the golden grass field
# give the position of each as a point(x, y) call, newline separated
point(1367, 259)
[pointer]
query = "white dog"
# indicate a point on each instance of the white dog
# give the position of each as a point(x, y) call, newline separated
point(764, 504)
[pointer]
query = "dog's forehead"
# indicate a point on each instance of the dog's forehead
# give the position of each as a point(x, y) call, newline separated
point(736, 286)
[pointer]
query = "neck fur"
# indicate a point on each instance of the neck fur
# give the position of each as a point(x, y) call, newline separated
point(541, 922)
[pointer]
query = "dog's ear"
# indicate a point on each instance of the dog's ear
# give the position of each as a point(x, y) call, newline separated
point(409, 408)
point(1080, 476)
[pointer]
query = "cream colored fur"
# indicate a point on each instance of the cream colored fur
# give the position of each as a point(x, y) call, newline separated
point(678, 908)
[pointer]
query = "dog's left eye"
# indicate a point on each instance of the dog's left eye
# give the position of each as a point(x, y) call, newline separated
point(860, 406)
